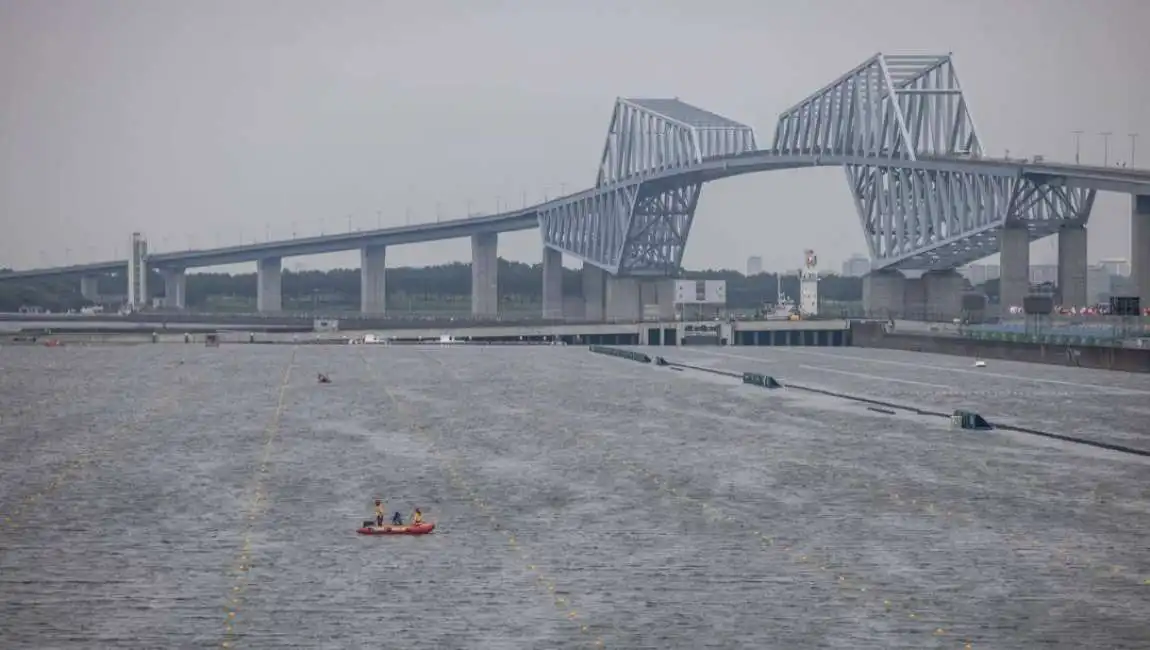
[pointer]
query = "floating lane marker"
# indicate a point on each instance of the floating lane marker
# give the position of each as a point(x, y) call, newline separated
point(449, 462)
point(241, 569)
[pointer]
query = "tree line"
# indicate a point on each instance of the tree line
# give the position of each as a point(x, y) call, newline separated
point(445, 283)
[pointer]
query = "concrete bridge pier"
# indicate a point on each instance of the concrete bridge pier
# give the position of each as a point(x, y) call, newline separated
point(175, 288)
point(90, 288)
point(594, 292)
point(634, 299)
point(624, 301)
point(935, 296)
point(1140, 246)
point(943, 291)
point(552, 283)
point(269, 296)
point(373, 279)
point(1072, 265)
point(485, 274)
point(1014, 280)
point(884, 294)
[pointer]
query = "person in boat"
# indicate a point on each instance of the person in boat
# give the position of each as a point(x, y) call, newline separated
point(323, 379)
point(397, 519)
point(379, 512)
point(417, 518)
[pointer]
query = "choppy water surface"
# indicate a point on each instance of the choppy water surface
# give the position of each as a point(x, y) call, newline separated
point(180, 496)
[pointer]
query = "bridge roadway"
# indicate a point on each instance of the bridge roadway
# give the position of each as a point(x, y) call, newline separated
point(1131, 181)
point(172, 264)
point(927, 196)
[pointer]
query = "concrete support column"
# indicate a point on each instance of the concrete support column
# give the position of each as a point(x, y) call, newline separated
point(1072, 265)
point(658, 298)
point(943, 294)
point(175, 288)
point(552, 283)
point(90, 288)
point(624, 301)
point(1140, 247)
point(1014, 282)
point(373, 279)
point(485, 275)
point(269, 296)
point(594, 292)
point(884, 294)
point(914, 299)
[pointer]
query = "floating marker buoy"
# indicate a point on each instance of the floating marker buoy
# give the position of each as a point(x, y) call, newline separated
point(962, 419)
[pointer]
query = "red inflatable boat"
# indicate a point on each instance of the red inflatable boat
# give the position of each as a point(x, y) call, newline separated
point(388, 529)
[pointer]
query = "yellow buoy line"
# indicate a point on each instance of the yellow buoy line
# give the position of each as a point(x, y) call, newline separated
point(562, 601)
point(242, 566)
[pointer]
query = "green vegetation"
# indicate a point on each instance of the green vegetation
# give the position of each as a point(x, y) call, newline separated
point(444, 288)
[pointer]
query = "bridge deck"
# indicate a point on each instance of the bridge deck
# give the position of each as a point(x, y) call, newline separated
point(1132, 181)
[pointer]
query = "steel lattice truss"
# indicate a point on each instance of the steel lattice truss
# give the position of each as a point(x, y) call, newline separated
point(899, 106)
point(912, 108)
point(636, 225)
point(937, 220)
point(895, 110)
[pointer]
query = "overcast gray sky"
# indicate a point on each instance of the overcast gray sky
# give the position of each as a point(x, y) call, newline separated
point(207, 121)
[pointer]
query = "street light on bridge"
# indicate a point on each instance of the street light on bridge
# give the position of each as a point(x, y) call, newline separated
point(1133, 144)
point(1106, 148)
point(1077, 146)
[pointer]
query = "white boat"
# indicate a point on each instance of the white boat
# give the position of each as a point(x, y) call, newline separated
point(782, 311)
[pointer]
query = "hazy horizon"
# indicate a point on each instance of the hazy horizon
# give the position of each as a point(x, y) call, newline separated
point(201, 123)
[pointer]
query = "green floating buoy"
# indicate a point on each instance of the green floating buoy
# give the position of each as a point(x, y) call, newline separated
point(757, 379)
point(622, 354)
point(969, 420)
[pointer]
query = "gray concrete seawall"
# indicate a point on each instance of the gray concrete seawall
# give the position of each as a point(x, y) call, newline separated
point(872, 335)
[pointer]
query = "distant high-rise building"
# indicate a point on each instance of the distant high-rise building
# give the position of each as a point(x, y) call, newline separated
point(1119, 266)
point(856, 266)
point(754, 265)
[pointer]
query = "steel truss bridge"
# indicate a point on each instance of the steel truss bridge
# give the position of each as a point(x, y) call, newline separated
point(899, 126)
